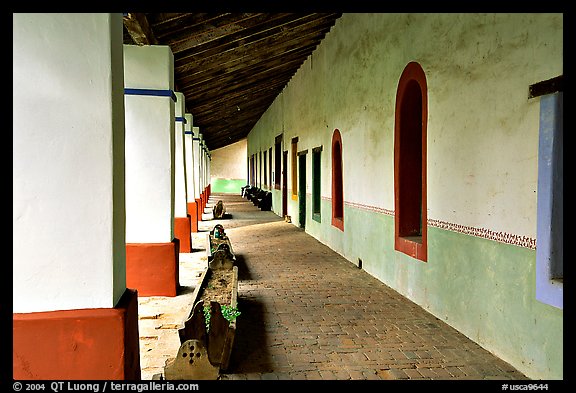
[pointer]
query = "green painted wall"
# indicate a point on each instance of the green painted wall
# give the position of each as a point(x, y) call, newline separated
point(497, 308)
point(228, 186)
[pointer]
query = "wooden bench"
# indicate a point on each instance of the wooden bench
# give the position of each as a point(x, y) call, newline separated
point(259, 197)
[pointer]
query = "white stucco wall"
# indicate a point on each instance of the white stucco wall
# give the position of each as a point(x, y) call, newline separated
point(150, 148)
point(482, 164)
point(229, 162)
point(68, 191)
point(228, 172)
point(482, 137)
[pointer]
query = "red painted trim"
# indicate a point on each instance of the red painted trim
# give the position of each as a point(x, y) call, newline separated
point(337, 182)
point(152, 268)
point(199, 209)
point(85, 344)
point(182, 230)
point(338, 223)
point(192, 208)
point(413, 73)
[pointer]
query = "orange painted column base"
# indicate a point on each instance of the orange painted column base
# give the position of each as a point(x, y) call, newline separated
point(85, 344)
point(182, 228)
point(200, 209)
point(193, 213)
point(152, 268)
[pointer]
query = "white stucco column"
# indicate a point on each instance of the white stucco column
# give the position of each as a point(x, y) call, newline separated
point(180, 159)
point(192, 205)
point(189, 153)
point(68, 162)
point(208, 176)
point(197, 161)
point(152, 248)
point(73, 316)
point(203, 172)
point(182, 225)
point(150, 128)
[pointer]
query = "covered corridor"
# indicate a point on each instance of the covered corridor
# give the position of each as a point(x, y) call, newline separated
point(421, 153)
point(308, 313)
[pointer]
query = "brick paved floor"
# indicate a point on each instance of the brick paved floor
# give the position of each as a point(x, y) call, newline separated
point(308, 313)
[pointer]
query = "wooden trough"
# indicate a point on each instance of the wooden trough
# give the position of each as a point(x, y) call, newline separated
point(207, 336)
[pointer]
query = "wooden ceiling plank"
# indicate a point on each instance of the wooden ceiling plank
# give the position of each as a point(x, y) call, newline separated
point(234, 90)
point(237, 95)
point(228, 61)
point(165, 21)
point(220, 112)
point(240, 102)
point(305, 36)
point(190, 37)
point(251, 34)
point(184, 61)
point(248, 67)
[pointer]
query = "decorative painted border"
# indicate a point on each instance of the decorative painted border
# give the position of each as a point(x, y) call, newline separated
point(370, 208)
point(502, 237)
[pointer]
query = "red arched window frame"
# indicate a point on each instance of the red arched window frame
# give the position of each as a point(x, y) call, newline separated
point(411, 120)
point(337, 182)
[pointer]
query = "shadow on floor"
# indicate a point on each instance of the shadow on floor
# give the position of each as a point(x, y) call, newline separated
point(249, 353)
point(185, 289)
point(243, 271)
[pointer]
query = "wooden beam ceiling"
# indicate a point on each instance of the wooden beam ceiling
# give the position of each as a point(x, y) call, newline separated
point(230, 66)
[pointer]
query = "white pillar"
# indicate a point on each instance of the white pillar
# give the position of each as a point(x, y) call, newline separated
point(152, 248)
point(202, 165)
point(197, 160)
point(68, 162)
point(180, 158)
point(150, 106)
point(71, 307)
point(189, 151)
point(208, 175)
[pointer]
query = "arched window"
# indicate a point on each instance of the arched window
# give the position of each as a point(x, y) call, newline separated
point(337, 183)
point(410, 218)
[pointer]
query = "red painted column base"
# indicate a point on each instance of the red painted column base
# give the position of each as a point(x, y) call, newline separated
point(200, 208)
point(193, 213)
point(182, 230)
point(152, 268)
point(84, 344)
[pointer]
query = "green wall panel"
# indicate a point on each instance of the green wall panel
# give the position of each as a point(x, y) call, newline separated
point(483, 288)
point(228, 186)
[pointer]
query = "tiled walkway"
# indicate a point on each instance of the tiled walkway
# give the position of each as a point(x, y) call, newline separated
point(308, 313)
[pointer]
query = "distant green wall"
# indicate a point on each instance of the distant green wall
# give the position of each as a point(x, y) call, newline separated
point(228, 186)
